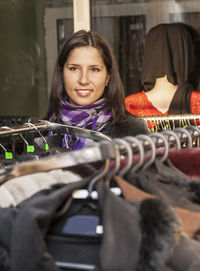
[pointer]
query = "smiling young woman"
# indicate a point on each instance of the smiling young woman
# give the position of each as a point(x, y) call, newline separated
point(85, 76)
point(87, 90)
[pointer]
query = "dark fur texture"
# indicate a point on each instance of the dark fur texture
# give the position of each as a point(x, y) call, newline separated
point(131, 126)
point(4, 259)
point(194, 188)
point(160, 233)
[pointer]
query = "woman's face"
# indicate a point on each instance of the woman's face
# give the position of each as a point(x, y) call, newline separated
point(85, 76)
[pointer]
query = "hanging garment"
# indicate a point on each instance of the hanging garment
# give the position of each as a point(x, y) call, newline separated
point(18, 189)
point(126, 225)
point(186, 160)
point(190, 220)
point(169, 184)
point(27, 224)
point(15, 190)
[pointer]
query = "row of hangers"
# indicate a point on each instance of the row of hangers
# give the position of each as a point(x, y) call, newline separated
point(140, 152)
point(137, 152)
point(170, 122)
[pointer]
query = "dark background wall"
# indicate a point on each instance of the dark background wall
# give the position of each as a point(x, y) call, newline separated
point(22, 58)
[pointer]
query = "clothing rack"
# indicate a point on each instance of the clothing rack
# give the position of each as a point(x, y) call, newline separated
point(153, 146)
point(126, 153)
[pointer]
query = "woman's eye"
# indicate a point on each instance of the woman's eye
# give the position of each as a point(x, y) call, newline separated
point(95, 69)
point(73, 68)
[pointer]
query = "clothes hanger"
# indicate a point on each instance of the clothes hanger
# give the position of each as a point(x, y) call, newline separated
point(166, 145)
point(91, 192)
point(46, 146)
point(134, 142)
point(194, 129)
point(29, 152)
point(121, 146)
point(167, 125)
point(175, 136)
point(122, 143)
point(196, 137)
point(183, 132)
point(152, 158)
point(195, 122)
point(8, 158)
point(187, 123)
point(114, 164)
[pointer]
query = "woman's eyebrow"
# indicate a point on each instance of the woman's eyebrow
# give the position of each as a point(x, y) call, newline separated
point(92, 65)
point(73, 64)
point(96, 65)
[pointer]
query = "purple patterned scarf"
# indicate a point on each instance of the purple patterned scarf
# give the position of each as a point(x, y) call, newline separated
point(92, 116)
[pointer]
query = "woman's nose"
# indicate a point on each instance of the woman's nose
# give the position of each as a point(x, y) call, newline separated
point(84, 77)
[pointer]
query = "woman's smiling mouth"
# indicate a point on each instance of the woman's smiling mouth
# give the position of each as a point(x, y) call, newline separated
point(83, 92)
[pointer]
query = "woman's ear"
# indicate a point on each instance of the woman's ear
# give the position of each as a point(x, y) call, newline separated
point(107, 79)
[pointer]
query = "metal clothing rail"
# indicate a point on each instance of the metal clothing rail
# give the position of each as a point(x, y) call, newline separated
point(50, 126)
point(169, 122)
point(99, 152)
point(172, 117)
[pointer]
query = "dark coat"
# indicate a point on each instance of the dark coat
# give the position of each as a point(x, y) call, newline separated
point(131, 126)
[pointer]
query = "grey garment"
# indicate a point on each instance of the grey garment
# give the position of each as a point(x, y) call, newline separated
point(169, 184)
point(18, 189)
point(23, 229)
point(186, 255)
point(121, 232)
point(131, 126)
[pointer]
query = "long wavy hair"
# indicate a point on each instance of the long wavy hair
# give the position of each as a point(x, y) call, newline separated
point(113, 93)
